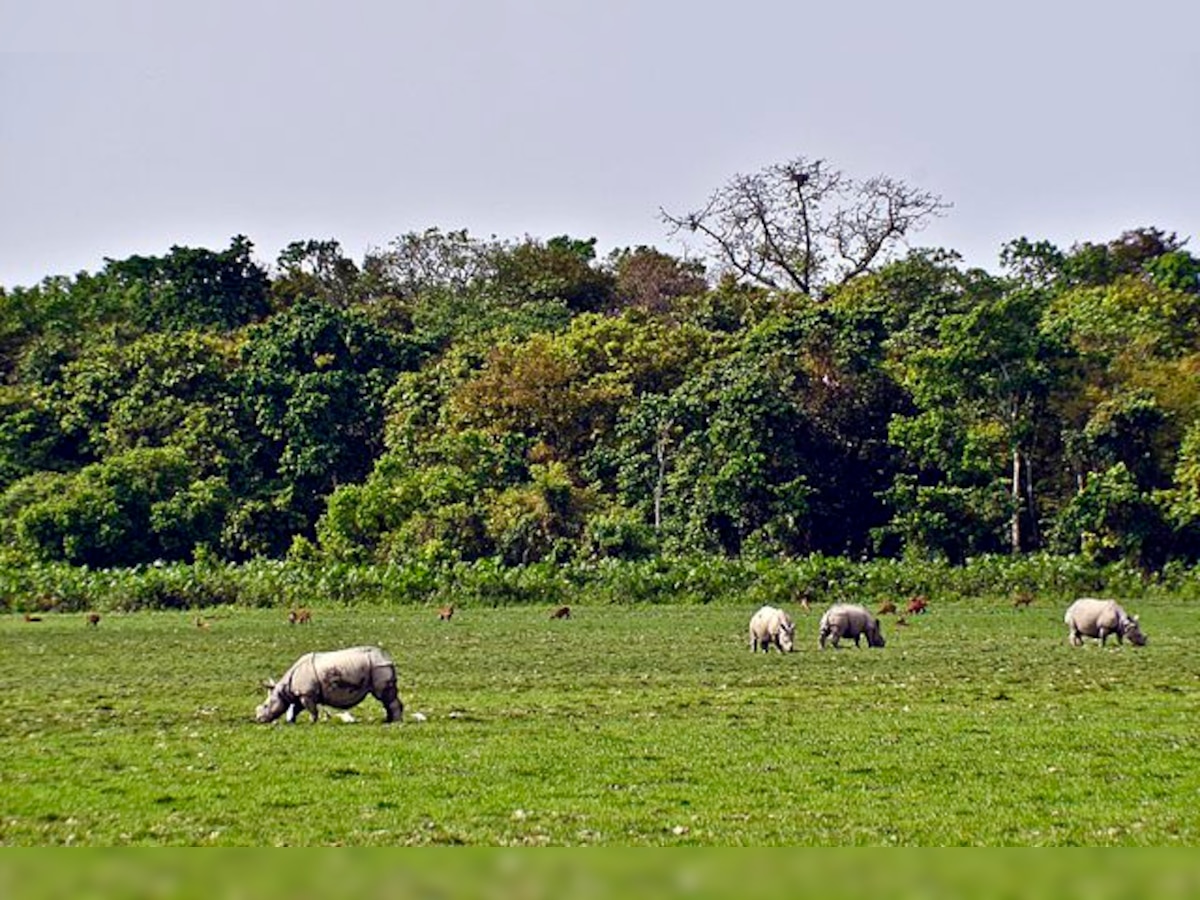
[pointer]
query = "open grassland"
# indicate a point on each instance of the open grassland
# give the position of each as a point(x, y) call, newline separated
point(625, 725)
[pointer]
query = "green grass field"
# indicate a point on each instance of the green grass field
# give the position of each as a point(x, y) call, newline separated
point(626, 725)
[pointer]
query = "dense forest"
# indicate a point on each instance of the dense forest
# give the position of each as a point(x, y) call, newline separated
point(811, 386)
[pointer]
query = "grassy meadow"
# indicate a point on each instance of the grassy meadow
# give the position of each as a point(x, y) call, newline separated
point(625, 725)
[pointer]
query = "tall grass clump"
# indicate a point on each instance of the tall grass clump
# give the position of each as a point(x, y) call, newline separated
point(489, 583)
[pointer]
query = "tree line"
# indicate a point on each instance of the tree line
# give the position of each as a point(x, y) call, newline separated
point(810, 387)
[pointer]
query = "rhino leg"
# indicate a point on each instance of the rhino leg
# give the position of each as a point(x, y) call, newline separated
point(310, 703)
point(383, 688)
point(390, 698)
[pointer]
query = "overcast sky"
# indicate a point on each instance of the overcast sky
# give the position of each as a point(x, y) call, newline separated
point(129, 126)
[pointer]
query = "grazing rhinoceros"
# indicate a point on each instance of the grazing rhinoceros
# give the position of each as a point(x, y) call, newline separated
point(338, 678)
point(849, 620)
point(1088, 617)
point(772, 626)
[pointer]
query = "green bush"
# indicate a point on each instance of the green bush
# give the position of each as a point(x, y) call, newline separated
point(56, 586)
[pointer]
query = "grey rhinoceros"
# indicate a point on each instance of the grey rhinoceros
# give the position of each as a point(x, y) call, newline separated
point(849, 620)
point(1090, 617)
point(337, 678)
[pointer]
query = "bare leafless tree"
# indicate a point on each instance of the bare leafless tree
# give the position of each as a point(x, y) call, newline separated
point(804, 225)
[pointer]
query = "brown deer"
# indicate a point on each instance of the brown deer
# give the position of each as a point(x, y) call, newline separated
point(1023, 599)
point(301, 616)
point(93, 618)
point(563, 612)
point(885, 608)
point(30, 617)
point(917, 605)
point(446, 612)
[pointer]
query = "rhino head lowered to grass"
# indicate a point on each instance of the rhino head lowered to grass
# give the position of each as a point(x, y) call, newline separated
point(337, 678)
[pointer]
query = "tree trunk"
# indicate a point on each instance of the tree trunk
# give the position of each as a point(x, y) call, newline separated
point(1035, 533)
point(1016, 500)
point(660, 451)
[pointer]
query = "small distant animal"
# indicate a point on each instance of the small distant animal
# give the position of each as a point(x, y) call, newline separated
point(563, 612)
point(339, 679)
point(446, 612)
point(202, 624)
point(849, 620)
point(772, 626)
point(917, 605)
point(1089, 617)
point(805, 603)
point(901, 621)
point(30, 617)
point(885, 608)
point(301, 616)
point(1022, 600)
point(93, 618)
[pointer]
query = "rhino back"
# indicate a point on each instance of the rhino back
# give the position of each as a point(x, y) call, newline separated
point(1088, 615)
point(346, 676)
point(767, 620)
point(851, 618)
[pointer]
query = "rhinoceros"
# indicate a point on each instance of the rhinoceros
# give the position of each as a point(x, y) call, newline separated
point(1088, 617)
point(337, 678)
point(849, 620)
point(772, 626)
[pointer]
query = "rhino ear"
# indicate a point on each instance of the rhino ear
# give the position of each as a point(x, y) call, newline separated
point(269, 683)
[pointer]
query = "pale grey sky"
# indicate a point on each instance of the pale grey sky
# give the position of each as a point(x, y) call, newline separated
point(127, 126)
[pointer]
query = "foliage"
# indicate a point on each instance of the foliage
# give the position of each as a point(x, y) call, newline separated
point(119, 396)
point(314, 269)
point(135, 507)
point(312, 380)
point(652, 281)
point(560, 269)
point(30, 437)
point(427, 507)
point(980, 388)
point(415, 264)
point(1110, 518)
point(454, 400)
point(453, 287)
point(191, 288)
point(650, 580)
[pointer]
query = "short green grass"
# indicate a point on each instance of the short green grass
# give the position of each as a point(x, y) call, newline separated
point(626, 725)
